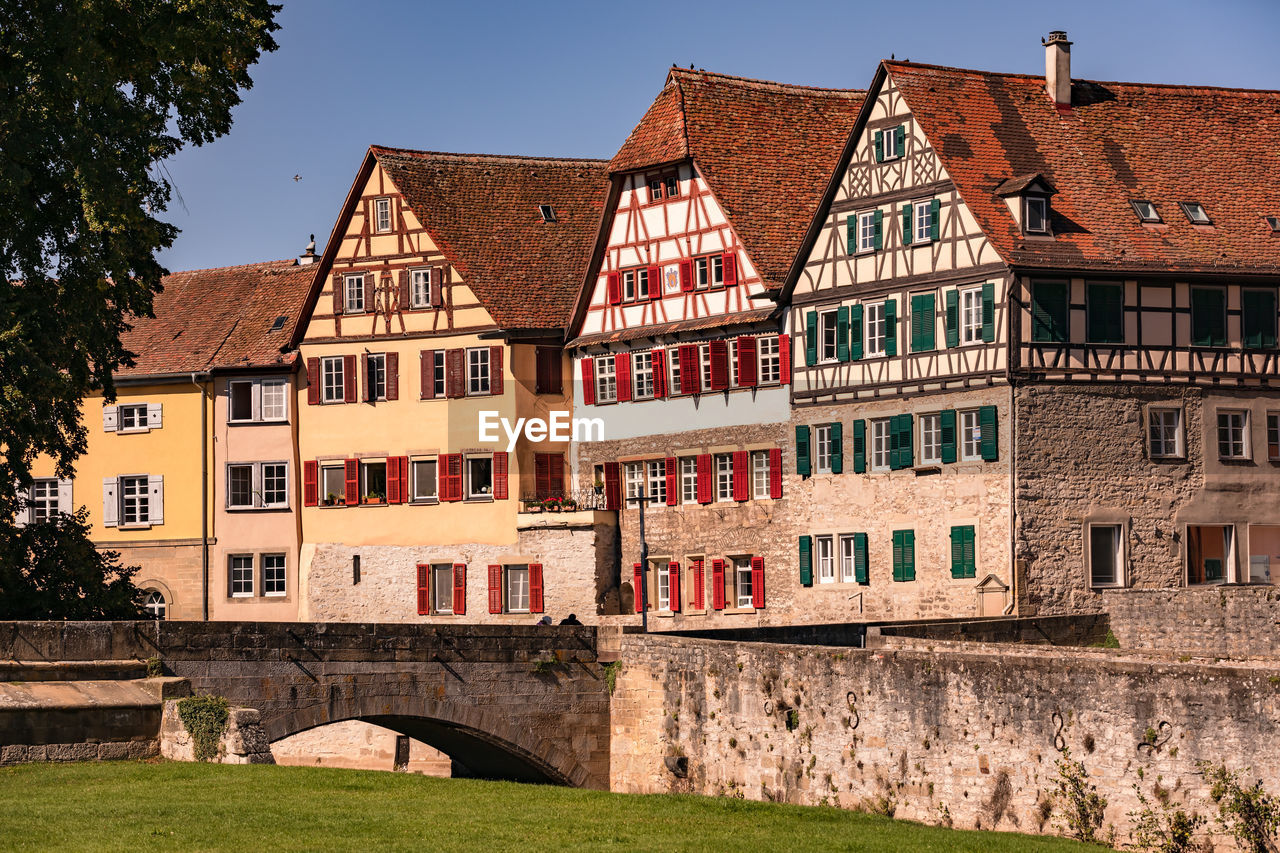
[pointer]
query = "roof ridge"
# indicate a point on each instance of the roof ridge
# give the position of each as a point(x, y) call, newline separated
point(1186, 88)
point(282, 262)
point(482, 158)
point(755, 82)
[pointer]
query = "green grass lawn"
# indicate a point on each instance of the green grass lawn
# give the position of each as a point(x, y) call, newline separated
point(164, 806)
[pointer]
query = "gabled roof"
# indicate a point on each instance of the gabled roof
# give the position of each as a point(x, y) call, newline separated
point(766, 150)
point(1118, 142)
point(482, 212)
point(219, 318)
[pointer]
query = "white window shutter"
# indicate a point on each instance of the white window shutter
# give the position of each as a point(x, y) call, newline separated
point(155, 504)
point(65, 503)
point(110, 418)
point(110, 502)
point(153, 415)
point(255, 405)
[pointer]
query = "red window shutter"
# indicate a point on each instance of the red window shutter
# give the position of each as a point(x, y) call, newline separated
point(686, 275)
point(784, 359)
point(705, 482)
point(775, 473)
point(437, 286)
point(746, 362)
point(699, 584)
point(495, 588)
point(352, 474)
point(673, 480)
point(615, 288)
point(393, 480)
point(427, 361)
point(310, 483)
point(455, 361)
point(368, 292)
point(393, 376)
point(349, 378)
point(717, 584)
point(612, 486)
point(424, 589)
point(655, 282)
point(673, 581)
point(542, 475)
point(459, 589)
point(589, 381)
point(500, 475)
point(637, 584)
point(757, 582)
point(313, 381)
point(622, 364)
point(402, 298)
point(495, 371)
point(690, 369)
point(401, 464)
point(719, 365)
point(449, 466)
point(535, 587)
point(364, 373)
point(337, 294)
point(730, 269)
point(659, 361)
point(741, 475)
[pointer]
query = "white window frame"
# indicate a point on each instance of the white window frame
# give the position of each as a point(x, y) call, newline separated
point(606, 379)
point(479, 381)
point(659, 569)
point(269, 385)
point(467, 461)
point(1238, 433)
point(332, 379)
point(881, 444)
point(656, 470)
point(240, 584)
point(232, 470)
point(971, 315)
point(420, 288)
point(439, 387)
point(922, 221)
point(1162, 443)
point(760, 485)
point(826, 559)
point(969, 425)
point(381, 215)
point(275, 587)
point(141, 501)
point(515, 588)
point(889, 144)
point(353, 293)
point(673, 372)
point(642, 376)
point(634, 480)
point(769, 360)
point(1117, 554)
point(704, 365)
point(442, 593)
point(689, 479)
point(877, 335)
point(1231, 543)
point(340, 496)
point(366, 465)
point(42, 507)
point(415, 493)
point(866, 231)
point(153, 602)
point(1028, 203)
point(140, 423)
point(257, 485)
point(376, 376)
point(828, 336)
point(930, 433)
point(723, 473)
point(284, 484)
point(742, 581)
point(628, 285)
point(848, 559)
point(260, 393)
point(822, 449)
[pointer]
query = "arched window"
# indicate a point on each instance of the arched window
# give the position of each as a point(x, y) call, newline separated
point(153, 602)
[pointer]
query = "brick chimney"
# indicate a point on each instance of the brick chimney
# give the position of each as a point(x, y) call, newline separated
point(1057, 68)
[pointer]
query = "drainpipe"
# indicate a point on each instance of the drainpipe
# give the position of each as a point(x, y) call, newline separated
point(204, 500)
point(1012, 378)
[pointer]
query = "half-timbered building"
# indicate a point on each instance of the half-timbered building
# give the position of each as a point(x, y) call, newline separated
point(680, 348)
point(1037, 345)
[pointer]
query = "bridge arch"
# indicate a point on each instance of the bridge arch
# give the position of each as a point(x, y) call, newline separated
point(486, 744)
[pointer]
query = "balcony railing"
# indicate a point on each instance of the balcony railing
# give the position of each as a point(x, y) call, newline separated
point(562, 501)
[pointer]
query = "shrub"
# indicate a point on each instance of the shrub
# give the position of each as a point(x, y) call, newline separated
point(1077, 800)
point(205, 719)
point(1163, 829)
point(1250, 815)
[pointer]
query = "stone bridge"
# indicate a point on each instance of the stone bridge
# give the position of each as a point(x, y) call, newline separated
point(520, 703)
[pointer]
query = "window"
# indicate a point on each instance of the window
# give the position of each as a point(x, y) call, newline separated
point(881, 443)
point(724, 476)
point(1195, 212)
point(420, 281)
point(334, 483)
point(1164, 432)
point(517, 589)
point(1233, 433)
point(849, 558)
point(275, 484)
point(606, 380)
point(658, 568)
point(970, 436)
point(689, 479)
point(241, 401)
point(922, 221)
point(478, 371)
point(971, 315)
point(1273, 436)
point(893, 143)
point(742, 580)
point(827, 336)
point(633, 474)
point(273, 583)
point(134, 501)
point(1210, 553)
point(1106, 555)
point(239, 486)
point(153, 602)
point(275, 399)
point(1264, 552)
point(642, 373)
point(442, 587)
point(1274, 223)
point(547, 214)
point(1208, 317)
point(133, 417)
point(376, 381)
point(424, 480)
point(673, 358)
point(241, 570)
point(822, 449)
point(877, 328)
point(1146, 211)
point(479, 476)
point(655, 189)
point(354, 286)
point(708, 271)
point(1050, 312)
point(258, 400)
point(770, 367)
point(867, 231)
point(826, 559)
point(331, 379)
point(373, 482)
point(42, 501)
point(657, 482)
point(382, 215)
point(672, 186)
point(760, 489)
point(629, 285)
point(931, 439)
point(437, 375)
point(1104, 313)
point(1035, 215)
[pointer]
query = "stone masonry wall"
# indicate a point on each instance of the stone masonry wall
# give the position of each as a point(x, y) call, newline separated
point(944, 734)
point(1223, 621)
point(173, 568)
point(356, 745)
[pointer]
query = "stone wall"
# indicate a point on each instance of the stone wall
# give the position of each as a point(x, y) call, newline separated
point(961, 735)
point(174, 568)
point(1223, 621)
point(243, 741)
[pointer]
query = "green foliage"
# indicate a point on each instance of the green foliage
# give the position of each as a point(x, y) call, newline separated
point(52, 571)
point(793, 720)
point(155, 667)
point(1163, 828)
point(544, 666)
point(1077, 802)
point(1107, 642)
point(1249, 815)
point(97, 95)
point(205, 719)
point(611, 671)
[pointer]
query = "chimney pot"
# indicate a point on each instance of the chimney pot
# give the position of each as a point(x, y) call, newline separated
point(1057, 68)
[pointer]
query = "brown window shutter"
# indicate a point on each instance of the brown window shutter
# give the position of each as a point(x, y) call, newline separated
point(438, 277)
point(349, 378)
point(455, 375)
point(500, 475)
point(313, 381)
point(364, 374)
point(495, 371)
point(427, 360)
point(557, 473)
point(403, 296)
point(337, 294)
point(369, 279)
point(393, 376)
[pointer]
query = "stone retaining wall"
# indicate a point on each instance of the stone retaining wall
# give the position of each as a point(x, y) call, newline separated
point(1224, 621)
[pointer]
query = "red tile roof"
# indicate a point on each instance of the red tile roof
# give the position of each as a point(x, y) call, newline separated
point(1118, 142)
point(766, 150)
point(219, 318)
point(482, 212)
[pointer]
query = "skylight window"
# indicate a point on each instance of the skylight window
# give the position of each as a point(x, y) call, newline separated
point(548, 215)
point(1274, 222)
point(1146, 211)
point(279, 323)
point(1196, 213)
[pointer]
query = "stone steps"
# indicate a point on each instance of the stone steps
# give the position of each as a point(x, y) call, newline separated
point(72, 670)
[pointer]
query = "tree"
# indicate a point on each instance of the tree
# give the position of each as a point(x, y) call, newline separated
point(96, 94)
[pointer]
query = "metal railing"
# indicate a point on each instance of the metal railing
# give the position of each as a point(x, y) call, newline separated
point(569, 500)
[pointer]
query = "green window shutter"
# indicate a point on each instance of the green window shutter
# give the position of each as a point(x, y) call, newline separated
point(811, 338)
point(856, 329)
point(890, 327)
point(990, 443)
point(900, 139)
point(948, 420)
point(957, 552)
point(988, 312)
point(970, 563)
point(859, 447)
point(1050, 312)
point(907, 431)
point(878, 219)
point(1208, 317)
point(837, 448)
point(851, 233)
point(860, 557)
point(906, 224)
point(879, 145)
point(935, 224)
point(806, 561)
point(1104, 313)
point(804, 467)
point(923, 336)
point(1258, 318)
point(908, 555)
point(842, 333)
point(897, 555)
point(953, 318)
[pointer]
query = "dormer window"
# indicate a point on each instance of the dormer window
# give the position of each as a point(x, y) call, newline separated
point(655, 189)
point(1035, 214)
point(548, 215)
point(1146, 211)
point(1195, 212)
point(1027, 197)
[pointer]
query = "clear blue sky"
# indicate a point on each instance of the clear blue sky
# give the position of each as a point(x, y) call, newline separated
point(572, 78)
